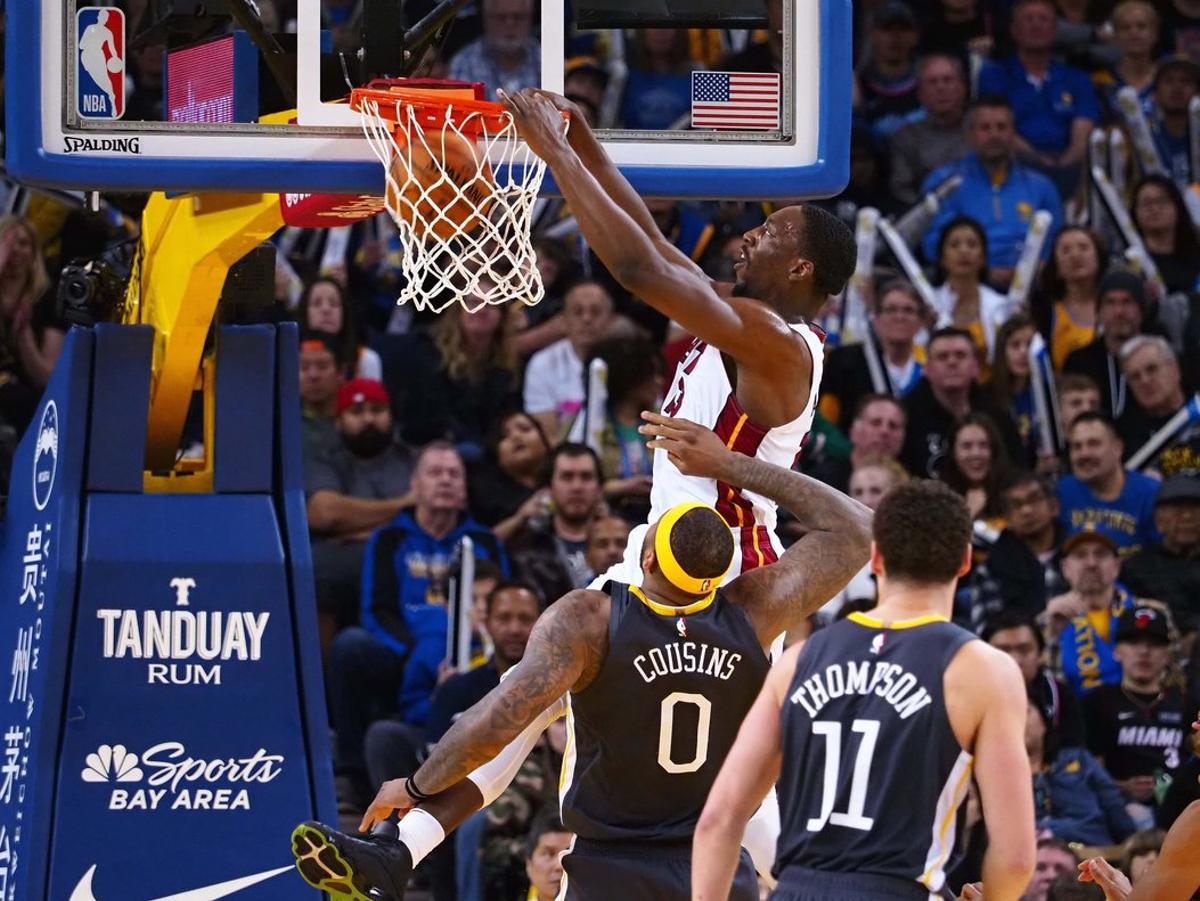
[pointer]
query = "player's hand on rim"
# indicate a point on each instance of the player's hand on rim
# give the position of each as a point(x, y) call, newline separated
point(562, 104)
point(393, 797)
point(538, 121)
point(695, 450)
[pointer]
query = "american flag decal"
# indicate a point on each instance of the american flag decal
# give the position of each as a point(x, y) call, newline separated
point(735, 100)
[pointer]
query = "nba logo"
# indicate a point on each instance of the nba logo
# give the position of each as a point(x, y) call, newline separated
point(100, 62)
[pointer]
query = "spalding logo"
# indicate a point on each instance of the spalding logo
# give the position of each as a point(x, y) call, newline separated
point(45, 457)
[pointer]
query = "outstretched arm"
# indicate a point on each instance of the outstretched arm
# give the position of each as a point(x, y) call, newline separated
point(746, 776)
point(565, 651)
point(453, 806)
point(583, 141)
point(837, 540)
point(745, 329)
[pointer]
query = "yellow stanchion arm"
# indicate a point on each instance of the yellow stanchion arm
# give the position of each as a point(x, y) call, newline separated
point(188, 245)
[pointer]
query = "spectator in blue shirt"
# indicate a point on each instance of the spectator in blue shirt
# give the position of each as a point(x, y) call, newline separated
point(507, 55)
point(394, 749)
point(1055, 104)
point(1176, 82)
point(658, 92)
point(512, 609)
point(1074, 798)
point(1136, 28)
point(1100, 493)
point(1082, 622)
point(996, 191)
point(390, 665)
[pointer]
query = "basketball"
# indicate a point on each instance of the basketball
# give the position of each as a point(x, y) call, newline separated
point(446, 196)
point(115, 65)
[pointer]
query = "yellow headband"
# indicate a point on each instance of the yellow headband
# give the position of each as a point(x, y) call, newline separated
point(670, 567)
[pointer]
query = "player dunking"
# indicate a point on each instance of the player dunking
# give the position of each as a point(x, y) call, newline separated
point(752, 376)
point(754, 371)
point(658, 679)
point(873, 727)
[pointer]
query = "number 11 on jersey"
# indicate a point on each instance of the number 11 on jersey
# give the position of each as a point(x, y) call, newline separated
point(853, 817)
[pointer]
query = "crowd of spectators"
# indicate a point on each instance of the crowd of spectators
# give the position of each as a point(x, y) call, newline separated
point(420, 431)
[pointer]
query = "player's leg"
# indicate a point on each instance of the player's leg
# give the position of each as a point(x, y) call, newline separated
point(373, 868)
point(328, 859)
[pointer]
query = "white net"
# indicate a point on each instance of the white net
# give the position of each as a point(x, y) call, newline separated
point(466, 237)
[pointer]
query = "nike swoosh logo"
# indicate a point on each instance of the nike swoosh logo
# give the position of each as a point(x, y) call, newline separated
point(83, 891)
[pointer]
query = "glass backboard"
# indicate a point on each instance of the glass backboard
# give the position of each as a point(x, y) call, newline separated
point(758, 107)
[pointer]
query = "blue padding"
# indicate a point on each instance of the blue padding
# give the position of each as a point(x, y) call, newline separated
point(289, 489)
point(245, 78)
point(183, 655)
point(120, 406)
point(38, 573)
point(245, 408)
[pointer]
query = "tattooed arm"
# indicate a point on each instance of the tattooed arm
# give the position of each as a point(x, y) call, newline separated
point(837, 540)
point(565, 652)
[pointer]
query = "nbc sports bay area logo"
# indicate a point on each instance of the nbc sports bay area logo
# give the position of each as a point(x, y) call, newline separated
point(182, 646)
point(166, 777)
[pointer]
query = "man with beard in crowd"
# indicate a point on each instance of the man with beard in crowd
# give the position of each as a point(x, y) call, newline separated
point(357, 485)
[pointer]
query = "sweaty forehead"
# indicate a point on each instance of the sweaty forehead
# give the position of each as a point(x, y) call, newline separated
point(789, 220)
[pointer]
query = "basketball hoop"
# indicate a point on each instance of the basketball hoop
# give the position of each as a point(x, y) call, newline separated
point(461, 188)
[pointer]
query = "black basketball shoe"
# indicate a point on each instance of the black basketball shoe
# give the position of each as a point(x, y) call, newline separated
point(371, 868)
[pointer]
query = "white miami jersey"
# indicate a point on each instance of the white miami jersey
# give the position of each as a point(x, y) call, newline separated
point(701, 392)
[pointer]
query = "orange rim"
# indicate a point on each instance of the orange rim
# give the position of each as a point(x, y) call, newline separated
point(434, 107)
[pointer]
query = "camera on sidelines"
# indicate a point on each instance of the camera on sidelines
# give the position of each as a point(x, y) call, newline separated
point(91, 291)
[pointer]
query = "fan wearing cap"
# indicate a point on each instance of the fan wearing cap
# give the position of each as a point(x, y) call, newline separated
point(654, 681)
point(353, 487)
point(1138, 728)
point(1176, 82)
point(1120, 312)
point(1081, 624)
point(1170, 569)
